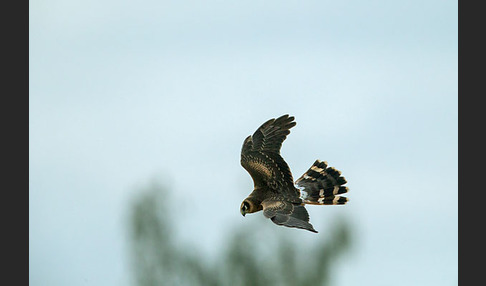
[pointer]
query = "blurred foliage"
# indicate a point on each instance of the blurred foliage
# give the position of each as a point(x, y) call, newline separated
point(158, 260)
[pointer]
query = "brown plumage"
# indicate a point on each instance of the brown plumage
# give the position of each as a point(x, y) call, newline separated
point(274, 190)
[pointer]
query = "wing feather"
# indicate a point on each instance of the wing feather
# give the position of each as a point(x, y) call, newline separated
point(287, 214)
point(260, 156)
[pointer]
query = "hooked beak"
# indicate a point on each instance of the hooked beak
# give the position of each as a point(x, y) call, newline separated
point(243, 213)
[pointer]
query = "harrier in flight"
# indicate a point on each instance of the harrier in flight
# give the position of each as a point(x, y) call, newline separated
point(274, 192)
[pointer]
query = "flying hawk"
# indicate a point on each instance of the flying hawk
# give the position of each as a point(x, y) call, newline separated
point(274, 192)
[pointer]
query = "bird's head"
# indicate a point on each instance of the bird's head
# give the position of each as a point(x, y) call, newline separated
point(249, 205)
point(245, 207)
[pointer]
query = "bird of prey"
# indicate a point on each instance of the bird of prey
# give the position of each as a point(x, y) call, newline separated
point(274, 191)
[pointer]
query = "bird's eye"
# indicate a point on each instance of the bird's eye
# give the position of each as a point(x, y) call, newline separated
point(246, 206)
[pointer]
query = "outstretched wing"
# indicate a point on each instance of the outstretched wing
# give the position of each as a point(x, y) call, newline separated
point(260, 156)
point(287, 214)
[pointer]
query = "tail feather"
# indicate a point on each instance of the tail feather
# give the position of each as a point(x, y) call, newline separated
point(332, 200)
point(321, 184)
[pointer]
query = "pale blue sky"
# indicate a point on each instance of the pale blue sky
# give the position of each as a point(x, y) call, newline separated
point(122, 92)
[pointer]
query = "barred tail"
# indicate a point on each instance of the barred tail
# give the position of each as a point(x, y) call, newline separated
point(321, 184)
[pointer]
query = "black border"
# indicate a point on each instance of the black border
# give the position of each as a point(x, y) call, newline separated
point(15, 136)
